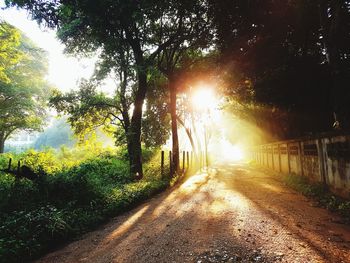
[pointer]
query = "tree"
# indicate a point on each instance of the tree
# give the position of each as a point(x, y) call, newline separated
point(156, 121)
point(89, 109)
point(173, 62)
point(23, 92)
point(274, 60)
point(9, 52)
point(334, 28)
point(86, 26)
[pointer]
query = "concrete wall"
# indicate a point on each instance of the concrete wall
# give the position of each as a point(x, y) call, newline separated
point(325, 159)
point(276, 158)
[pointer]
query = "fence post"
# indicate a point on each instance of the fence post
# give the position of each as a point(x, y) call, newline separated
point(300, 152)
point(260, 153)
point(188, 160)
point(321, 161)
point(288, 158)
point(171, 163)
point(162, 163)
point(273, 159)
point(263, 150)
point(183, 161)
point(279, 158)
point(10, 161)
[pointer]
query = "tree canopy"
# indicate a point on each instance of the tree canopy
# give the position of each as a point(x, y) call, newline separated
point(24, 90)
point(146, 27)
point(9, 52)
point(290, 58)
point(280, 63)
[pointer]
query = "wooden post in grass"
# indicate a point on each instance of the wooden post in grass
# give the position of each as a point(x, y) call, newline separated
point(10, 161)
point(162, 164)
point(18, 169)
point(188, 160)
point(183, 161)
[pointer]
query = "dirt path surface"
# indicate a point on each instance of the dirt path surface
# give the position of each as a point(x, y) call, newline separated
point(233, 214)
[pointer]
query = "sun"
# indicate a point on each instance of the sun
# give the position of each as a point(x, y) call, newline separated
point(203, 99)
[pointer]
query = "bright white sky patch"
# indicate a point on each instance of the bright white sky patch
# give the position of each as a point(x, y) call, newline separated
point(64, 71)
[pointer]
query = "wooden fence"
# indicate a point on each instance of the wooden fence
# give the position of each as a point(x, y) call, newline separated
point(187, 161)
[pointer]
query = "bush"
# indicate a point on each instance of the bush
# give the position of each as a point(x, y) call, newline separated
point(70, 199)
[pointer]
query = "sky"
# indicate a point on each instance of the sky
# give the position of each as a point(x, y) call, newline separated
point(64, 70)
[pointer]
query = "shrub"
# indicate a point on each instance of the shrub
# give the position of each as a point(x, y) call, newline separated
point(70, 199)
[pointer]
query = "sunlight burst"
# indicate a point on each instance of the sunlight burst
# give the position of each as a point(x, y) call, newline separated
point(231, 152)
point(204, 99)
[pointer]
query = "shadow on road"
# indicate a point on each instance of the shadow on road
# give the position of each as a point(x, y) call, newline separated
point(233, 214)
point(182, 224)
point(296, 216)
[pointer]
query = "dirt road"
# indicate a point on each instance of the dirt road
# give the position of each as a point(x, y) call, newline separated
point(232, 214)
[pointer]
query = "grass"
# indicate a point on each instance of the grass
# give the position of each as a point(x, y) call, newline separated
point(69, 199)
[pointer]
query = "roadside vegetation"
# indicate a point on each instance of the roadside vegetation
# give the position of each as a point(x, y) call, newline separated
point(320, 193)
point(69, 198)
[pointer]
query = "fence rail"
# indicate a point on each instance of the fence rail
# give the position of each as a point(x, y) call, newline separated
point(324, 159)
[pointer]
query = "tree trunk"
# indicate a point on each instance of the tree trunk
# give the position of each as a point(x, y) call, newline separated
point(134, 133)
point(189, 135)
point(175, 137)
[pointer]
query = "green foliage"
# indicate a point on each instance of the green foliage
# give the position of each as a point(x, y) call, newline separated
point(156, 120)
point(87, 108)
point(69, 200)
point(320, 193)
point(274, 56)
point(24, 231)
point(42, 161)
point(145, 28)
point(9, 52)
point(23, 90)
